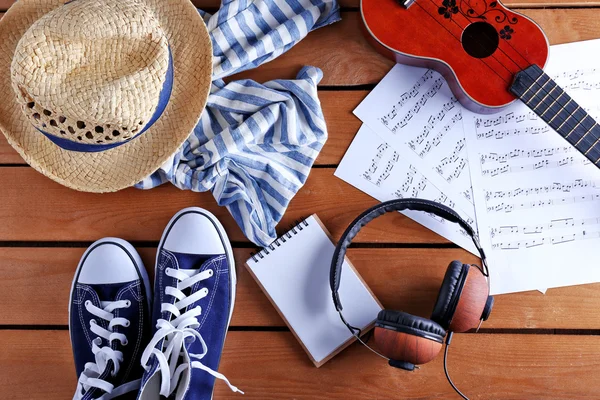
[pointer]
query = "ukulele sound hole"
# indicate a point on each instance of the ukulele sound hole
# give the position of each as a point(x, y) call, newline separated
point(480, 40)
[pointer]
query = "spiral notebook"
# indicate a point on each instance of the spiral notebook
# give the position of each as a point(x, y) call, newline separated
point(294, 274)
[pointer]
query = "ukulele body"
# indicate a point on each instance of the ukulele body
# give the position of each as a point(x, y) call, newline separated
point(477, 45)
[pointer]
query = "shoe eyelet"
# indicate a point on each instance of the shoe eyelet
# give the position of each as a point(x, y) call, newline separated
point(87, 303)
point(210, 272)
point(127, 323)
point(125, 343)
point(127, 303)
point(93, 321)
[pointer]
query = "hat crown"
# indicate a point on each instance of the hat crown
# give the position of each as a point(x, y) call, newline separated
point(92, 72)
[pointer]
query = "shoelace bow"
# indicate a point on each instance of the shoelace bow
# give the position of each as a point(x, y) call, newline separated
point(176, 331)
point(89, 378)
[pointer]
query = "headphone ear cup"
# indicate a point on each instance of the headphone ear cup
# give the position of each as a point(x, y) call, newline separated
point(462, 298)
point(443, 310)
point(407, 339)
point(472, 302)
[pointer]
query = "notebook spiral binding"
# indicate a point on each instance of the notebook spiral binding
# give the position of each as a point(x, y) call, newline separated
point(294, 229)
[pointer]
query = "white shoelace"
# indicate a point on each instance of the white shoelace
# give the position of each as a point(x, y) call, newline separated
point(92, 370)
point(176, 331)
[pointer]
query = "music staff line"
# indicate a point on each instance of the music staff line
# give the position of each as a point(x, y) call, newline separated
point(509, 207)
point(544, 164)
point(429, 144)
point(497, 134)
point(381, 149)
point(577, 73)
point(405, 97)
point(556, 187)
point(519, 154)
point(548, 240)
point(420, 104)
point(541, 228)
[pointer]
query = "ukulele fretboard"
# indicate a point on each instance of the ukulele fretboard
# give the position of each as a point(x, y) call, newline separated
point(540, 93)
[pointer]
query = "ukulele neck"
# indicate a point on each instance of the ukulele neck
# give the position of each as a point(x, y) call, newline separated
point(540, 93)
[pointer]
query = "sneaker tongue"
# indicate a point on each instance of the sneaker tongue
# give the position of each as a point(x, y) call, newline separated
point(108, 291)
point(192, 261)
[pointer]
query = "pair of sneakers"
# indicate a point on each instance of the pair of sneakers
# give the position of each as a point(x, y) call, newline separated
point(123, 342)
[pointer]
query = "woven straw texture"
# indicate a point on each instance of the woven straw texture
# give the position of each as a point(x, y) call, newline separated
point(76, 75)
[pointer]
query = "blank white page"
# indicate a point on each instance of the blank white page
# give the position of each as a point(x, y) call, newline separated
point(296, 277)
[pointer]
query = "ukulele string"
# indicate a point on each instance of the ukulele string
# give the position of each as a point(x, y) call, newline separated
point(451, 34)
point(481, 45)
point(541, 90)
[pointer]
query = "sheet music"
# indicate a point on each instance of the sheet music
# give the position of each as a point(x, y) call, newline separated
point(414, 111)
point(373, 166)
point(538, 199)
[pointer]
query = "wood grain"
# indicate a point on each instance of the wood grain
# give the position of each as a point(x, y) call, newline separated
point(34, 208)
point(337, 108)
point(345, 57)
point(35, 282)
point(356, 63)
point(405, 347)
point(484, 366)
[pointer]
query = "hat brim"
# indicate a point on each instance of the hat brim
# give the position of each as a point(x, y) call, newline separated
point(129, 163)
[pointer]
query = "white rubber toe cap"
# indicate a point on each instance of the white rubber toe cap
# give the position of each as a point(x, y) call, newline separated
point(109, 260)
point(194, 231)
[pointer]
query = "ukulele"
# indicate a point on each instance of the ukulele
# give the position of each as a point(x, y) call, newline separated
point(489, 55)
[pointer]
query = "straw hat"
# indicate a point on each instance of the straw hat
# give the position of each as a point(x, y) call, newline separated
point(97, 95)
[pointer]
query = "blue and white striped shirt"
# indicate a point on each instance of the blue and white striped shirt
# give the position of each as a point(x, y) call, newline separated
point(255, 143)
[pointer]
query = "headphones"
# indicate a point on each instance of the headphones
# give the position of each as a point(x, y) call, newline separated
point(463, 301)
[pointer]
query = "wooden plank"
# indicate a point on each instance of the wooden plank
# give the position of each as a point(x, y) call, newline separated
point(356, 63)
point(34, 208)
point(343, 54)
point(337, 108)
point(346, 59)
point(35, 284)
point(38, 365)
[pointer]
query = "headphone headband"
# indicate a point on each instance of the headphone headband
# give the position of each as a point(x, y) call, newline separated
point(383, 208)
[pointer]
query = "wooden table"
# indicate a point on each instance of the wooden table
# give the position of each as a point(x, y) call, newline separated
point(534, 346)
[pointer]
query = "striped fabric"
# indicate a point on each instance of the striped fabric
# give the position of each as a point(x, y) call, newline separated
point(255, 143)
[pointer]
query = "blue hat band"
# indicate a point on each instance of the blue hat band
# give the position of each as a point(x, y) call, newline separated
point(163, 101)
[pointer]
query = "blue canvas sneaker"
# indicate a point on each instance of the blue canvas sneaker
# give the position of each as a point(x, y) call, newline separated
point(194, 288)
point(109, 319)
